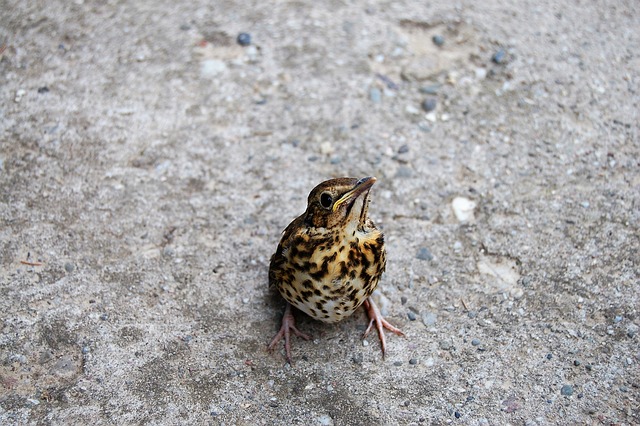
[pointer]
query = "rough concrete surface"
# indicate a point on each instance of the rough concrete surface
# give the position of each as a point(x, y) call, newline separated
point(148, 164)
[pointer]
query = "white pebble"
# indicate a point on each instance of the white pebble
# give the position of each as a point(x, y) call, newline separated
point(463, 209)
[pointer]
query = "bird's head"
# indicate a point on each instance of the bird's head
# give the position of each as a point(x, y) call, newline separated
point(339, 203)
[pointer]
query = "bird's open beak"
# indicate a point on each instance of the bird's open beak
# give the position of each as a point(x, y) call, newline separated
point(362, 186)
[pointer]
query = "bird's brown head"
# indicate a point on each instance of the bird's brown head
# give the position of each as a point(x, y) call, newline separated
point(339, 202)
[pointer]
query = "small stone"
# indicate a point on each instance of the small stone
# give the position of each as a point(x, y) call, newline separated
point(397, 363)
point(431, 117)
point(404, 300)
point(457, 414)
point(475, 342)
point(588, 367)
point(403, 149)
point(68, 266)
point(104, 317)
point(212, 67)
point(43, 89)
point(19, 94)
point(424, 254)
point(404, 172)
point(567, 390)
point(411, 315)
point(375, 95)
point(499, 57)
point(86, 350)
point(412, 110)
point(632, 330)
point(463, 209)
point(413, 361)
point(358, 358)
point(429, 319)
point(326, 148)
point(431, 89)
point(472, 314)
point(576, 363)
point(617, 319)
point(429, 104)
point(244, 39)
point(549, 356)
point(336, 159)
point(445, 345)
point(438, 40)
point(185, 27)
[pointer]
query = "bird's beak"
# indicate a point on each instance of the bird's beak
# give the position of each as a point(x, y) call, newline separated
point(362, 186)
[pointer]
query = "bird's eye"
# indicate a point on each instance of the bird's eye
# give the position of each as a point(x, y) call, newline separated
point(326, 200)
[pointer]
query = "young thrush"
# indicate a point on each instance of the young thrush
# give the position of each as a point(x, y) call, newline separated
point(330, 260)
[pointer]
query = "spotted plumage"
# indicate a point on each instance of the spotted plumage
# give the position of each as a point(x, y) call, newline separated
point(330, 258)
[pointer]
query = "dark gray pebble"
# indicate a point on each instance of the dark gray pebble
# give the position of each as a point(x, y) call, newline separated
point(549, 356)
point(588, 367)
point(397, 363)
point(445, 345)
point(43, 89)
point(457, 414)
point(244, 39)
point(403, 149)
point(475, 342)
point(429, 104)
point(472, 314)
point(335, 159)
point(499, 57)
point(413, 361)
point(411, 316)
point(104, 317)
point(438, 40)
point(404, 300)
point(566, 390)
point(69, 267)
point(185, 27)
point(577, 363)
point(424, 254)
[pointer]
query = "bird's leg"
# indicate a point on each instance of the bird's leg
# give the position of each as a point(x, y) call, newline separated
point(381, 323)
point(288, 325)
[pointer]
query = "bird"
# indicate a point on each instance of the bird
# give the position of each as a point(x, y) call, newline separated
point(330, 259)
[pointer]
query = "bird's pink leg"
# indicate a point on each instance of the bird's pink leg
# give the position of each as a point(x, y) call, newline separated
point(381, 323)
point(288, 325)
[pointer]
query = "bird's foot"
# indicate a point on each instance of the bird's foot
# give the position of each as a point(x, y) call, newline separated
point(288, 325)
point(381, 323)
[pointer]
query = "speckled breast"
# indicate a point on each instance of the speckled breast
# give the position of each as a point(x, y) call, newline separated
point(329, 277)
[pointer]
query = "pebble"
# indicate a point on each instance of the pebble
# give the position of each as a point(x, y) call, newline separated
point(412, 110)
point(424, 254)
point(445, 345)
point(404, 172)
point(212, 67)
point(86, 350)
point(411, 316)
point(43, 89)
point(431, 89)
point(457, 414)
point(326, 148)
point(429, 319)
point(19, 94)
point(429, 104)
point(475, 342)
point(413, 361)
point(472, 314)
point(431, 116)
point(244, 39)
point(403, 149)
point(567, 390)
point(438, 40)
point(375, 95)
point(632, 330)
point(104, 317)
point(577, 363)
point(549, 356)
point(617, 319)
point(499, 57)
point(463, 209)
point(404, 300)
point(397, 363)
point(68, 266)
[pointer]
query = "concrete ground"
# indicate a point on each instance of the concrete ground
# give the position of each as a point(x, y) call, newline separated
point(148, 164)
